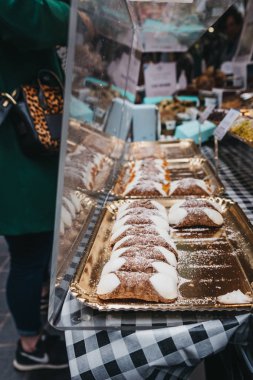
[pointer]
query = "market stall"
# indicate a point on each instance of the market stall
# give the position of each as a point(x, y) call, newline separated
point(152, 268)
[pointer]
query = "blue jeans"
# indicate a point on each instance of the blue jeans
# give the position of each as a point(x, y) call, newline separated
point(30, 255)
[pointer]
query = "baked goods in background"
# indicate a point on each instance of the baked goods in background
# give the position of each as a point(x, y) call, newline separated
point(143, 260)
point(169, 109)
point(148, 177)
point(71, 207)
point(243, 128)
point(83, 165)
point(209, 79)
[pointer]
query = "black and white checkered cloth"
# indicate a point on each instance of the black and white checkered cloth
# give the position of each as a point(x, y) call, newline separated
point(108, 345)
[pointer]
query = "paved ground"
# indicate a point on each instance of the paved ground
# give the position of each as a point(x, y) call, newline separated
point(8, 336)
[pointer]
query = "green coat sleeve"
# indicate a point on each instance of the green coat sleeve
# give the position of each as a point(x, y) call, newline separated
point(34, 24)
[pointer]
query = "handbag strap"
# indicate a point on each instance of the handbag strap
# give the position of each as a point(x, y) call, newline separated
point(7, 101)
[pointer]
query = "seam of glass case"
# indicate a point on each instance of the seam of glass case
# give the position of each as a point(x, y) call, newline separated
point(56, 302)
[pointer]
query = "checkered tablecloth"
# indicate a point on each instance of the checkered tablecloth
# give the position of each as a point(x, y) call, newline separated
point(172, 344)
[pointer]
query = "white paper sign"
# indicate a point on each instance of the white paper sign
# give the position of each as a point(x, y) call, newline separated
point(226, 123)
point(160, 79)
point(205, 114)
point(119, 74)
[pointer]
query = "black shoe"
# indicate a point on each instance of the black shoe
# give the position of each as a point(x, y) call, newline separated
point(48, 354)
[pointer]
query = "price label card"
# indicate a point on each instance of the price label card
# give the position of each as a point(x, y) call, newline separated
point(205, 114)
point(160, 79)
point(125, 71)
point(226, 123)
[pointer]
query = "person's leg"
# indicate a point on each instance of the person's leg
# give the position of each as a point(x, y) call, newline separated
point(29, 261)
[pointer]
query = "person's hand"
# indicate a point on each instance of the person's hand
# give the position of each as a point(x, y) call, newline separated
point(88, 23)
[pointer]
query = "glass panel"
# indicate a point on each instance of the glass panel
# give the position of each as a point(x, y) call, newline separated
point(173, 26)
point(92, 139)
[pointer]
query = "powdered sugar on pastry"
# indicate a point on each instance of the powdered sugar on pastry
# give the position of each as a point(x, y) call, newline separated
point(138, 229)
point(235, 297)
point(141, 211)
point(197, 203)
point(165, 286)
point(188, 185)
point(118, 252)
point(122, 241)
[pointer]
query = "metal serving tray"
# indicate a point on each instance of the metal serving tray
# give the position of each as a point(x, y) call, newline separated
point(212, 262)
point(162, 149)
point(197, 167)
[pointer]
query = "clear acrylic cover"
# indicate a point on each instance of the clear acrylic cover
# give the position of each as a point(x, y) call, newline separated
point(104, 55)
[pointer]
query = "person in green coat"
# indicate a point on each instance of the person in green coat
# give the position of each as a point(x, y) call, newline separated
point(29, 32)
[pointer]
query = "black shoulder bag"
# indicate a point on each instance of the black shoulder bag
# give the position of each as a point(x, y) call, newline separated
point(36, 110)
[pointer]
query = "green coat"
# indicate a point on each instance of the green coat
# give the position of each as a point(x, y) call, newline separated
point(29, 31)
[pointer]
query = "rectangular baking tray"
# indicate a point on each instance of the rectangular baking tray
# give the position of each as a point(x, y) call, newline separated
point(162, 149)
point(212, 262)
point(196, 167)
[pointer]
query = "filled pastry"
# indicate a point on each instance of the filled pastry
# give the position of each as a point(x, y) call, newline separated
point(198, 203)
point(140, 229)
point(139, 264)
point(71, 207)
point(146, 240)
point(180, 217)
point(189, 186)
point(154, 253)
point(146, 178)
point(144, 204)
point(152, 287)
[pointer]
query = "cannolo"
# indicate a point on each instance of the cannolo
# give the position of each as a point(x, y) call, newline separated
point(189, 186)
point(156, 287)
point(195, 217)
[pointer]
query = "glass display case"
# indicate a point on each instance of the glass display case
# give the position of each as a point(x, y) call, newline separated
point(96, 153)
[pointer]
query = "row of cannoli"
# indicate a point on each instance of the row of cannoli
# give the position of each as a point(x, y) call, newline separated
point(71, 208)
point(151, 177)
point(143, 260)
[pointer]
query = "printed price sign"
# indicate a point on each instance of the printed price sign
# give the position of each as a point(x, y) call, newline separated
point(160, 79)
point(118, 71)
point(226, 123)
point(203, 116)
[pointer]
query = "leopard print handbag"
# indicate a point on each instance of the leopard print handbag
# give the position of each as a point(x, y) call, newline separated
point(37, 113)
